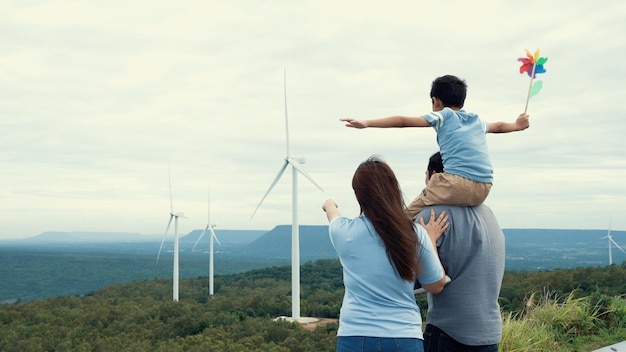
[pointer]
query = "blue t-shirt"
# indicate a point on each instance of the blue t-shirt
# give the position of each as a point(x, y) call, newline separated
point(462, 143)
point(377, 301)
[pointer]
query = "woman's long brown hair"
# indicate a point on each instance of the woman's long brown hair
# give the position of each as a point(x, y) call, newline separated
point(378, 192)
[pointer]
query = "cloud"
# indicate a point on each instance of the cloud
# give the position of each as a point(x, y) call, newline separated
point(101, 101)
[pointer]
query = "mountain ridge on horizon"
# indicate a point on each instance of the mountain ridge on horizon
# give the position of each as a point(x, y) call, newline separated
point(526, 250)
point(247, 236)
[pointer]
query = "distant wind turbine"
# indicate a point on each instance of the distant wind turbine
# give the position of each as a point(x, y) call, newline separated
point(295, 236)
point(610, 240)
point(209, 227)
point(174, 216)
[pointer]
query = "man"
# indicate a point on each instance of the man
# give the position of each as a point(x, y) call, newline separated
point(465, 316)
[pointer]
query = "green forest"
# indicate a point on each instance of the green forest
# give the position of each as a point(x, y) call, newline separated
point(32, 275)
point(573, 310)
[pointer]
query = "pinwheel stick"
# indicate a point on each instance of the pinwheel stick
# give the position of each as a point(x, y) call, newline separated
point(532, 78)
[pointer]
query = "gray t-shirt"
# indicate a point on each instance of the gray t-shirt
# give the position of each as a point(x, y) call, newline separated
point(472, 253)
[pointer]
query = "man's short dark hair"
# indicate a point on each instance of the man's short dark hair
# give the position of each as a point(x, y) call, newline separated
point(435, 164)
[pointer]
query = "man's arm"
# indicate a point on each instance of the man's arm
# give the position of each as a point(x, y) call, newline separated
point(332, 209)
point(391, 121)
point(520, 124)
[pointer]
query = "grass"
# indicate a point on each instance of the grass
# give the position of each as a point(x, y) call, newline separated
point(550, 323)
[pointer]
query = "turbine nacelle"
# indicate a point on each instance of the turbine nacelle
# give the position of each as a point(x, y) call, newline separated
point(298, 160)
point(213, 236)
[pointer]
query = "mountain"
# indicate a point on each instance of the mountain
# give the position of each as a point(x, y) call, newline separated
point(68, 263)
point(276, 243)
point(526, 249)
point(315, 238)
point(546, 249)
point(132, 243)
point(91, 237)
point(531, 237)
point(240, 237)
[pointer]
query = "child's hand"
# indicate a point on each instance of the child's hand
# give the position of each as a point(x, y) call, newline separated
point(350, 122)
point(436, 226)
point(522, 122)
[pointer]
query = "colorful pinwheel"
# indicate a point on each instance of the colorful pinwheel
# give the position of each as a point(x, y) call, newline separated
point(532, 65)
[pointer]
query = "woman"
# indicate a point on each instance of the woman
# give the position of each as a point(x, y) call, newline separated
point(382, 254)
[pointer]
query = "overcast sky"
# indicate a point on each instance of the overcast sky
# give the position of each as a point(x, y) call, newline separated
point(100, 100)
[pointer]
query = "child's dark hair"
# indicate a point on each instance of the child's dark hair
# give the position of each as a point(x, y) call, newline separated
point(451, 90)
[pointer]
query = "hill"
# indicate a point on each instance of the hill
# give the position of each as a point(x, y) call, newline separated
point(226, 237)
point(569, 237)
point(276, 243)
point(527, 249)
point(88, 237)
point(34, 269)
point(140, 316)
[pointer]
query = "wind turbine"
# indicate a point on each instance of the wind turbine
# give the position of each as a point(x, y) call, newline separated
point(209, 227)
point(610, 240)
point(174, 216)
point(295, 235)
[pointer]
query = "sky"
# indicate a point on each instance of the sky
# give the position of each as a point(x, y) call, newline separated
point(104, 104)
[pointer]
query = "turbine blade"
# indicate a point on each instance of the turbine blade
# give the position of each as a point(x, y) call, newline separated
point(165, 234)
point(617, 245)
point(286, 118)
point(208, 212)
point(170, 182)
point(199, 238)
point(280, 173)
point(214, 235)
point(301, 170)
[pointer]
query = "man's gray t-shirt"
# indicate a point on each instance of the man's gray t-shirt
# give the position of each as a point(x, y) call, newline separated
point(472, 253)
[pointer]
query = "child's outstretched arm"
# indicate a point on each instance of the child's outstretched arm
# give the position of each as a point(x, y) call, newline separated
point(520, 124)
point(391, 121)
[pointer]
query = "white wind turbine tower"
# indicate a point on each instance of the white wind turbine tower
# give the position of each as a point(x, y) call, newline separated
point(174, 216)
point(209, 227)
point(610, 240)
point(295, 236)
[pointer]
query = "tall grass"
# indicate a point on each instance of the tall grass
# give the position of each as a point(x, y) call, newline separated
point(617, 309)
point(550, 323)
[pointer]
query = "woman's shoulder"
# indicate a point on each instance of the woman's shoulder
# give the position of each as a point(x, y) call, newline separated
point(346, 221)
point(344, 224)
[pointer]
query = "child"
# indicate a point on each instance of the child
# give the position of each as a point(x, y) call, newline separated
point(467, 176)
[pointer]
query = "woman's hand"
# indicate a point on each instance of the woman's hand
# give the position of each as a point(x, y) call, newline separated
point(329, 204)
point(331, 208)
point(436, 225)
